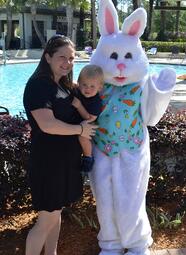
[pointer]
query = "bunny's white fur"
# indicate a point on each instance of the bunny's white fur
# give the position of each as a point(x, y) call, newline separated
point(120, 182)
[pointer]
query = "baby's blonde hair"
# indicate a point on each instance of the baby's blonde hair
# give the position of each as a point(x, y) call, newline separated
point(91, 71)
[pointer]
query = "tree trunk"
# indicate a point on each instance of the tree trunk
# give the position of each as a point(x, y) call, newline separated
point(81, 18)
point(161, 36)
point(40, 36)
point(69, 14)
point(136, 4)
point(9, 26)
point(81, 37)
point(149, 22)
point(93, 24)
point(177, 19)
point(54, 20)
point(115, 2)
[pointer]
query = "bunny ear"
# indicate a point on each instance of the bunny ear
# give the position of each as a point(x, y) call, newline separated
point(107, 18)
point(135, 24)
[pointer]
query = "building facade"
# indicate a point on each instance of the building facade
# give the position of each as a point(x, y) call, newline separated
point(23, 32)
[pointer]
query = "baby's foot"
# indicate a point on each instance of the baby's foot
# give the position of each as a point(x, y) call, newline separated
point(86, 164)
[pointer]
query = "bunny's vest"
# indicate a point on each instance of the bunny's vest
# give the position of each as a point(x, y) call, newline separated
point(122, 118)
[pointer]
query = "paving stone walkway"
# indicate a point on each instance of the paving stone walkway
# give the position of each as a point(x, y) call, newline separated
point(169, 252)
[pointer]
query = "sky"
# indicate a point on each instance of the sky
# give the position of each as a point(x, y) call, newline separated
point(122, 7)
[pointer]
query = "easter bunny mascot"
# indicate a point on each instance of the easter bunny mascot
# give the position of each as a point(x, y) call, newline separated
point(132, 100)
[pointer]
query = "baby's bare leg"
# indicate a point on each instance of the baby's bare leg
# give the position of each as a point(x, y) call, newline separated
point(86, 145)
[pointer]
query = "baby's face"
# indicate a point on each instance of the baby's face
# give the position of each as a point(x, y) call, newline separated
point(89, 87)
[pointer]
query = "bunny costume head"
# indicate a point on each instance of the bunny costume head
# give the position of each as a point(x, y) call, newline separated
point(120, 53)
point(132, 100)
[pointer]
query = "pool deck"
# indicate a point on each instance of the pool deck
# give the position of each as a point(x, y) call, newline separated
point(178, 99)
point(34, 55)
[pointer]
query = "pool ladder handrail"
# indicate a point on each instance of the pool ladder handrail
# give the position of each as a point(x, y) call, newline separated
point(5, 112)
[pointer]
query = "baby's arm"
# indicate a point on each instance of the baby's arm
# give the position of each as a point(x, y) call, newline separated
point(82, 111)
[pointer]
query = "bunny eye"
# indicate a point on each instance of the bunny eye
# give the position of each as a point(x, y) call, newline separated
point(114, 55)
point(128, 55)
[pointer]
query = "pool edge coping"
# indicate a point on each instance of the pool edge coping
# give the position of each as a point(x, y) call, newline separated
point(164, 61)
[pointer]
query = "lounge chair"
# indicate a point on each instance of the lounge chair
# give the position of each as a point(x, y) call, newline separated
point(175, 52)
point(88, 50)
point(152, 51)
point(6, 54)
point(182, 77)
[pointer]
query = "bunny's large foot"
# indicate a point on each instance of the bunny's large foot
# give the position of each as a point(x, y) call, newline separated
point(135, 252)
point(106, 252)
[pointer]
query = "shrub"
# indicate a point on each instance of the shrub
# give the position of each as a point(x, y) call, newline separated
point(164, 46)
point(168, 159)
point(14, 151)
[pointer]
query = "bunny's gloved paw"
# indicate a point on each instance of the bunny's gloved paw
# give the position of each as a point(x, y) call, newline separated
point(166, 79)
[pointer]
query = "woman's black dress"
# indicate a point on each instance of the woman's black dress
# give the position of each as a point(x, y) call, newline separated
point(54, 166)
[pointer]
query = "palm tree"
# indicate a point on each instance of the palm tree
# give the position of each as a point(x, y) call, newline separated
point(94, 25)
point(177, 18)
point(149, 24)
point(33, 10)
point(69, 15)
point(136, 4)
point(8, 5)
point(115, 2)
point(162, 20)
point(9, 25)
point(71, 5)
point(54, 4)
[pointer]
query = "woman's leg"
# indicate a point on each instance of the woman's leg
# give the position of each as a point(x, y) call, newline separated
point(52, 239)
point(38, 234)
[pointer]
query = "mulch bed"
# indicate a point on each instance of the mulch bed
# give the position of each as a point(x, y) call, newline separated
point(78, 232)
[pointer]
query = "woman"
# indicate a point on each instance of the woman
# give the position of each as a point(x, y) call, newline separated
point(54, 169)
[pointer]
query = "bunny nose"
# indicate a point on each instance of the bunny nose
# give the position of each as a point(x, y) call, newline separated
point(121, 66)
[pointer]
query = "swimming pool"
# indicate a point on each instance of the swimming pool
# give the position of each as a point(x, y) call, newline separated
point(14, 77)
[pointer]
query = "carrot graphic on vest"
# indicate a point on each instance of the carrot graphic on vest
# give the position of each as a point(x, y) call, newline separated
point(103, 130)
point(134, 123)
point(128, 102)
point(133, 90)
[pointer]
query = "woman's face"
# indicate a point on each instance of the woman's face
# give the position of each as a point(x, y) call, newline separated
point(61, 63)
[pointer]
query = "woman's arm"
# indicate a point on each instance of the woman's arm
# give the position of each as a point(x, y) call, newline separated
point(49, 124)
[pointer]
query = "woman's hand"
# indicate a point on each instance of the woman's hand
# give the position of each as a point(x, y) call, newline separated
point(75, 84)
point(88, 130)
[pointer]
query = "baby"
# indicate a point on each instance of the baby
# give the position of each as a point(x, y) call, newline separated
point(87, 101)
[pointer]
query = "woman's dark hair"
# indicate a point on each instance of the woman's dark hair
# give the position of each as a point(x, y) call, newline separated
point(43, 69)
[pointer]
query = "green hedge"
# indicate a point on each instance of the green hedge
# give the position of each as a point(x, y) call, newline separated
point(164, 46)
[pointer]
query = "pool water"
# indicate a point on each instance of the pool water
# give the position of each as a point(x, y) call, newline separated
point(14, 77)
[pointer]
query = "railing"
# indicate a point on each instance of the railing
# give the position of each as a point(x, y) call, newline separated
point(4, 111)
point(3, 48)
